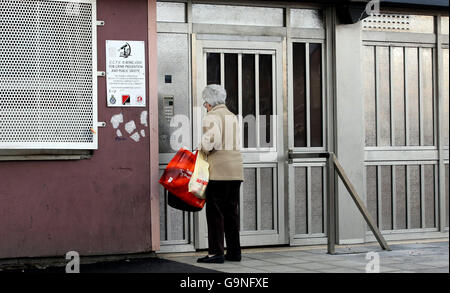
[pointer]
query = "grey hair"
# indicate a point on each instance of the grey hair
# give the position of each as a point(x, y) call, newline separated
point(214, 95)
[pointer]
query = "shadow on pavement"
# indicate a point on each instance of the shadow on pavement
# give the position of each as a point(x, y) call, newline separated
point(147, 265)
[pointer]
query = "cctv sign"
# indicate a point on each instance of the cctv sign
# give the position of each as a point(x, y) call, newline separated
point(125, 73)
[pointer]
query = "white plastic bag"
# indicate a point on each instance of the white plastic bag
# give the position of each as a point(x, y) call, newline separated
point(200, 176)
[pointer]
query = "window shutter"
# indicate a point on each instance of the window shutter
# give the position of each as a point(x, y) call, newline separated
point(48, 72)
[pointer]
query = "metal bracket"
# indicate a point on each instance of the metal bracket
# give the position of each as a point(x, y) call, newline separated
point(101, 73)
point(100, 22)
point(101, 124)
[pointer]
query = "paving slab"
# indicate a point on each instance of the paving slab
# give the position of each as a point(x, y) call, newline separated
point(243, 270)
point(437, 264)
point(285, 260)
point(433, 271)
point(219, 266)
point(340, 271)
point(302, 271)
point(255, 263)
point(314, 266)
point(295, 253)
point(349, 264)
point(278, 269)
point(410, 266)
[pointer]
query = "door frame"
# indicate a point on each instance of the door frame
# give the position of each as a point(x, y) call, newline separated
point(312, 161)
point(251, 159)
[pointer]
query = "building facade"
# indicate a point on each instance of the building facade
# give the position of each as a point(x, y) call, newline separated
point(304, 78)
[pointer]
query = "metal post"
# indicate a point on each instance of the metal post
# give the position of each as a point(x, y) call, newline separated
point(331, 209)
point(359, 203)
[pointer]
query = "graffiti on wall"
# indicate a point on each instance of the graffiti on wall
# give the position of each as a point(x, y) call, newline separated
point(129, 129)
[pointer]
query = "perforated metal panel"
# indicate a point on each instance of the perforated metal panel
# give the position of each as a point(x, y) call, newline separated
point(399, 23)
point(387, 22)
point(48, 75)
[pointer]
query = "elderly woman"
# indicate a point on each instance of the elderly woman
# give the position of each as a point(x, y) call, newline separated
point(220, 141)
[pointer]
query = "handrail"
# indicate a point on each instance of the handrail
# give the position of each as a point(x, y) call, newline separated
point(352, 191)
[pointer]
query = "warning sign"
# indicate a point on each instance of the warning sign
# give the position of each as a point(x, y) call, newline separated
point(125, 73)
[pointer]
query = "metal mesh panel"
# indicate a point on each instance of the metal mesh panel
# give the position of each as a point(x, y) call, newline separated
point(47, 96)
point(399, 23)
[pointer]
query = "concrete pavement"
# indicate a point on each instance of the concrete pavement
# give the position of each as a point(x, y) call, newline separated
point(421, 256)
point(424, 256)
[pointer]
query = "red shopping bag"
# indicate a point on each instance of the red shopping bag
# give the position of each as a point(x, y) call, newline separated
point(177, 175)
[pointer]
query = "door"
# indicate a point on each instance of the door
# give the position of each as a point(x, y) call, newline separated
point(402, 162)
point(251, 72)
point(307, 137)
point(176, 227)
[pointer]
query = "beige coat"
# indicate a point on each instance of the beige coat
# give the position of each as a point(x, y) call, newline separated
point(221, 143)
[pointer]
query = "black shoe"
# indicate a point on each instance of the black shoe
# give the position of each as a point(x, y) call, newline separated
point(211, 259)
point(233, 257)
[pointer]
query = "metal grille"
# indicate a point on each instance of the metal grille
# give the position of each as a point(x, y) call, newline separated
point(399, 23)
point(47, 96)
point(394, 22)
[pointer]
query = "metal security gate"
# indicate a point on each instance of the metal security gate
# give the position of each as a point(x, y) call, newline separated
point(48, 83)
point(402, 132)
point(251, 75)
point(307, 119)
point(249, 49)
point(176, 227)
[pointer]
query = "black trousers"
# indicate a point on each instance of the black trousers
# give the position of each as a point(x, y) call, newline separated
point(222, 216)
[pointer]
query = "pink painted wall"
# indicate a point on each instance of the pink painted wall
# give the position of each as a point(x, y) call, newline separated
point(101, 205)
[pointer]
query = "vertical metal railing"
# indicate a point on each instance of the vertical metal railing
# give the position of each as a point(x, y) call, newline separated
point(335, 166)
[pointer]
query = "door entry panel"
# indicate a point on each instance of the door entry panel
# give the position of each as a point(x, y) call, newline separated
point(176, 227)
point(251, 74)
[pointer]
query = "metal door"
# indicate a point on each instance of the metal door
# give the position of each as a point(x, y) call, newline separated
point(307, 137)
point(405, 139)
point(176, 227)
point(251, 72)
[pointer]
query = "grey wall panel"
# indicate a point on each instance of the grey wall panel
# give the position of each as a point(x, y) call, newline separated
point(400, 197)
point(162, 214)
point(444, 25)
point(316, 200)
point(266, 185)
point(249, 200)
point(176, 228)
point(369, 96)
point(173, 60)
point(300, 201)
point(383, 96)
point(429, 196)
point(445, 96)
point(391, 22)
point(170, 12)
point(237, 15)
point(349, 125)
point(306, 18)
point(171, 221)
point(414, 196)
point(386, 197)
point(398, 96)
point(371, 181)
point(426, 91)
point(412, 93)
point(446, 192)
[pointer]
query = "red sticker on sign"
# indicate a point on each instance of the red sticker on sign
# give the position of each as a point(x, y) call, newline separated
point(125, 99)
